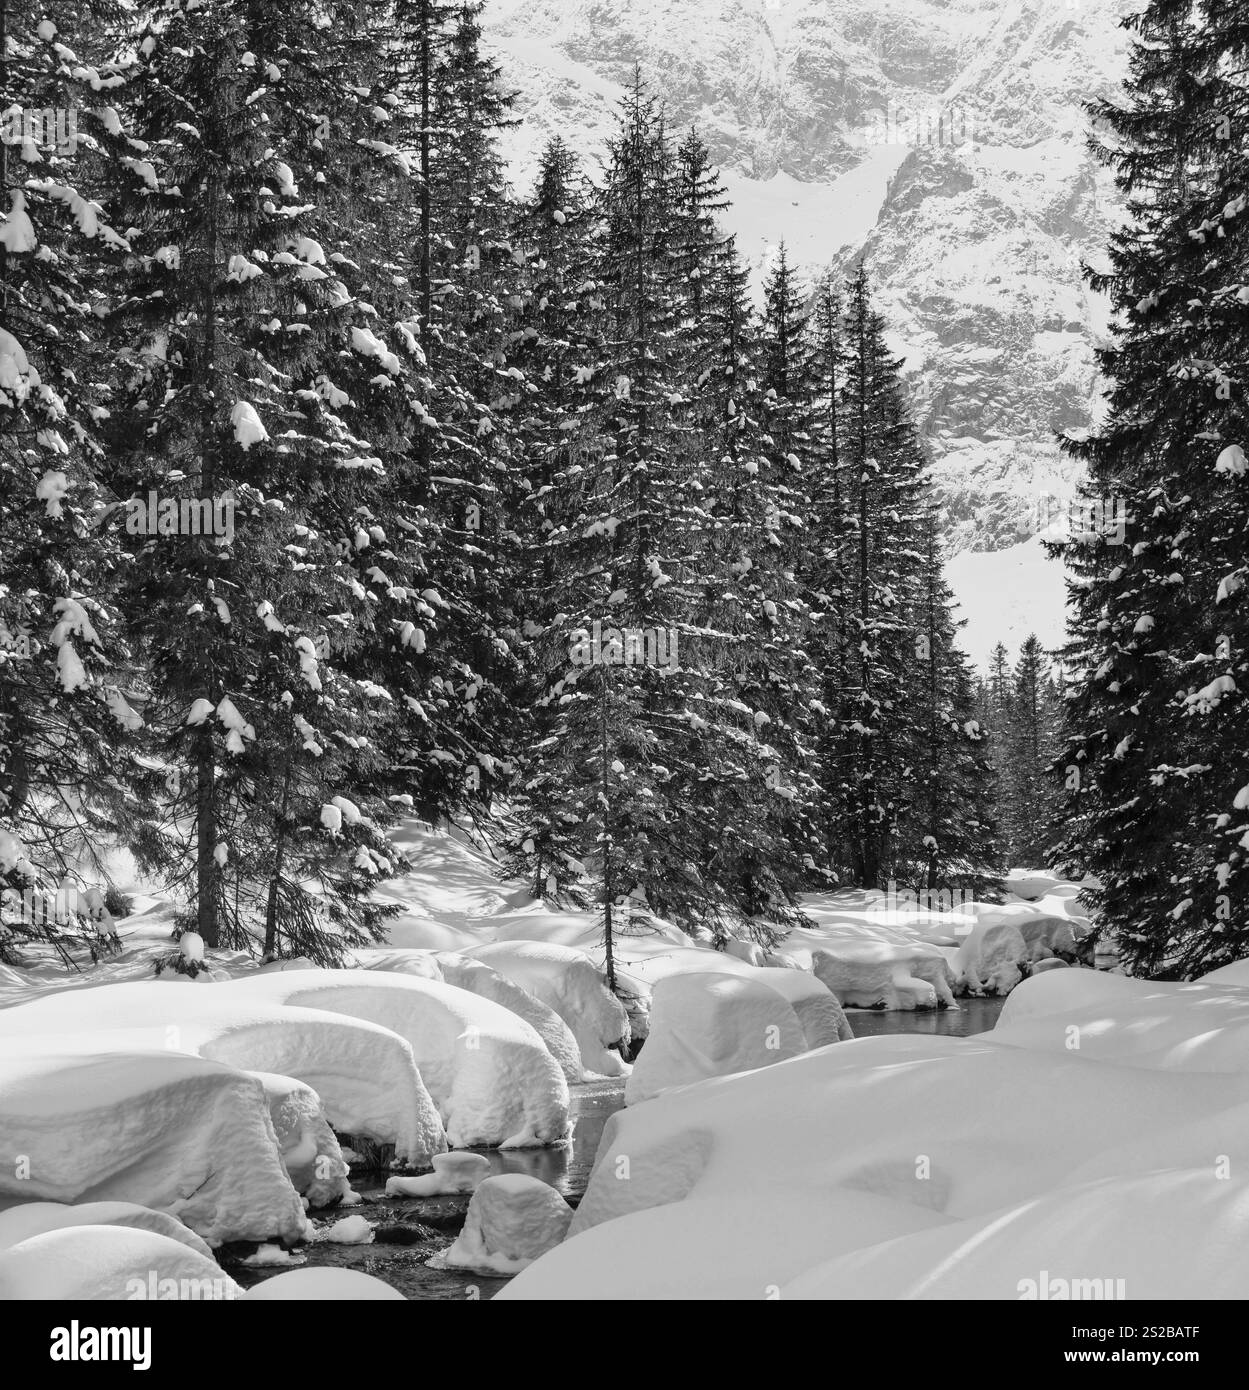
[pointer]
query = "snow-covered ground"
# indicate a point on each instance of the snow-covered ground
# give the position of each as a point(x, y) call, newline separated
point(762, 1147)
point(929, 1167)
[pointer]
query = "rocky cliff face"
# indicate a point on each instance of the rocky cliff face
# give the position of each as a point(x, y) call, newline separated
point(943, 139)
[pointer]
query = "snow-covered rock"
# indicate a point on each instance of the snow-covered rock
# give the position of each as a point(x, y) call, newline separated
point(712, 1025)
point(33, 1218)
point(511, 1220)
point(567, 981)
point(874, 974)
point(453, 1173)
point(351, 1230)
point(364, 1074)
point(989, 961)
point(310, 1149)
point(322, 1285)
point(169, 1131)
point(480, 978)
point(115, 1263)
point(821, 1015)
point(490, 1074)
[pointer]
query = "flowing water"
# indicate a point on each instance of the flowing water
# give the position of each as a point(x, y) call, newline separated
point(411, 1229)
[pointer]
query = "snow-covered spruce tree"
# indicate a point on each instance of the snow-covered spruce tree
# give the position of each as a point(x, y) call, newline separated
point(239, 310)
point(555, 337)
point(648, 729)
point(63, 719)
point(949, 838)
point(884, 463)
point(824, 565)
point(448, 229)
point(750, 605)
point(1031, 743)
point(1154, 766)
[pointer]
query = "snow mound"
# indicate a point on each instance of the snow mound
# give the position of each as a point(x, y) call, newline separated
point(716, 1247)
point(1236, 975)
point(1034, 884)
point(884, 975)
point(490, 1074)
point(989, 960)
point(1070, 990)
point(173, 1132)
point(34, 1218)
point(1168, 1027)
point(822, 1017)
point(567, 981)
point(351, 1230)
point(364, 1074)
point(322, 1286)
point(949, 1127)
point(1086, 1242)
point(453, 1172)
point(712, 1025)
point(511, 1220)
point(400, 960)
point(480, 978)
point(109, 1263)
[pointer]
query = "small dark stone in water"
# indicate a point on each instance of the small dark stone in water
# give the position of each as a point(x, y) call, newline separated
point(444, 1220)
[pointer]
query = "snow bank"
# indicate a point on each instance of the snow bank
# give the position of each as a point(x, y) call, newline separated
point(490, 1074)
point(400, 960)
point(1141, 1023)
point(1086, 1242)
point(109, 1262)
point(916, 1129)
point(364, 1074)
point(709, 1024)
point(177, 1133)
point(567, 981)
point(732, 1247)
point(1236, 975)
point(511, 1220)
point(34, 1218)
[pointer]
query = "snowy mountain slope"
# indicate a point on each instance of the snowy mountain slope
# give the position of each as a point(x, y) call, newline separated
point(943, 140)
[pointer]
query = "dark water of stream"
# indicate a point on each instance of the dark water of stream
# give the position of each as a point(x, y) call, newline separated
point(411, 1229)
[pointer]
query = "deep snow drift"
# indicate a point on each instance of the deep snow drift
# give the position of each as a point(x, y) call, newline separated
point(490, 1074)
point(364, 1074)
point(175, 1132)
point(915, 1161)
point(712, 1025)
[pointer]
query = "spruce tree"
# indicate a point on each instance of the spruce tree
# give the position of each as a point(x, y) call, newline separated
point(1153, 766)
point(64, 720)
